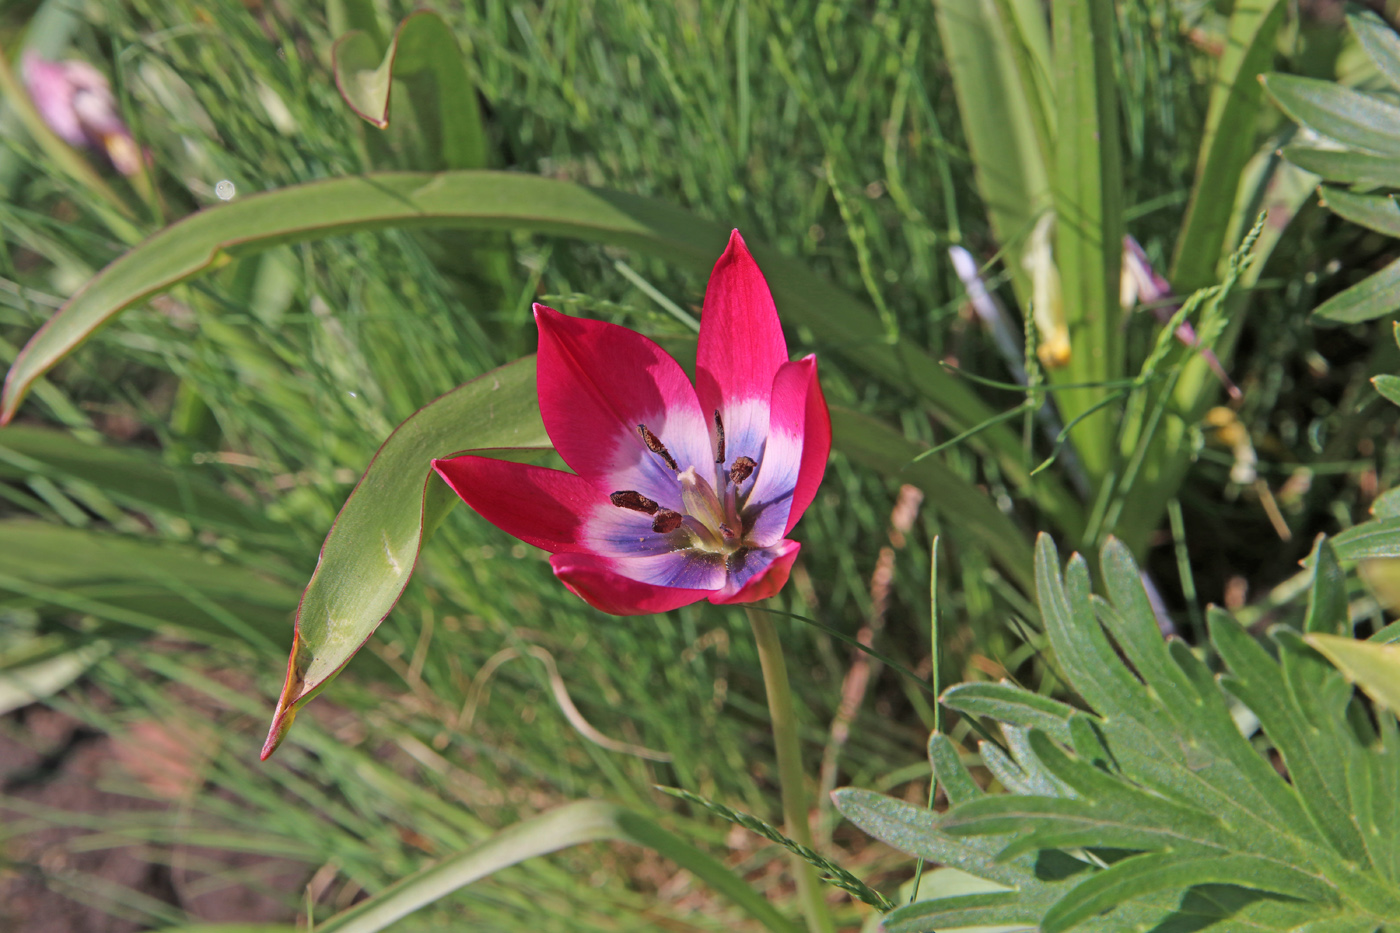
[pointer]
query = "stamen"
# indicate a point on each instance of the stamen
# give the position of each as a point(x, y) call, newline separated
point(742, 469)
point(655, 446)
point(728, 532)
point(667, 521)
point(719, 427)
point(635, 501)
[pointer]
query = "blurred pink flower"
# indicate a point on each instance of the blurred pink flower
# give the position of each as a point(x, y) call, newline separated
point(679, 491)
point(76, 102)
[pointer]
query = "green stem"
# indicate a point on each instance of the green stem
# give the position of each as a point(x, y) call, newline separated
point(790, 777)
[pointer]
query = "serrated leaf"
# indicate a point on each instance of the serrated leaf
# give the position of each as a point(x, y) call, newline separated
point(1151, 872)
point(1380, 42)
point(1377, 212)
point(1345, 166)
point(1376, 296)
point(1379, 537)
point(1388, 386)
point(371, 549)
point(1327, 598)
point(1350, 117)
point(1008, 703)
point(1373, 667)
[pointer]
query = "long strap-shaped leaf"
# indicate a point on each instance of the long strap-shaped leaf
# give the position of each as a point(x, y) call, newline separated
point(370, 552)
point(569, 825)
point(503, 200)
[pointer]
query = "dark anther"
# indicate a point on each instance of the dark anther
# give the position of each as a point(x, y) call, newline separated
point(667, 521)
point(727, 531)
point(634, 501)
point(719, 426)
point(655, 446)
point(742, 469)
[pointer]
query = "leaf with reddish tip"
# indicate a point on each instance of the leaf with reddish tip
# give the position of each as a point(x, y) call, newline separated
point(440, 117)
point(371, 550)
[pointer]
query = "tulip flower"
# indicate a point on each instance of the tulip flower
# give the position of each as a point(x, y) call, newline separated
point(679, 491)
point(76, 102)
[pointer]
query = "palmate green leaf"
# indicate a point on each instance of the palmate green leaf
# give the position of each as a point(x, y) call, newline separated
point(1345, 166)
point(1379, 537)
point(371, 549)
point(499, 201)
point(1158, 768)
point(1381, 43)
point(1236, 98)
point(1373, 667)
point(1350, 117)
point(1377, 212)
point(1376, 296)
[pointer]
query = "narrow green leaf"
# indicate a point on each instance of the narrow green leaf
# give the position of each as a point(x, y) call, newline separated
point(1376, 538)
point(133, 477)
point(1377, 212)
point(1173, 871)
point(1373, 667)
point(996, 116)
point(566, 826)
point(344, 16)
point(515, 201)
point(1327, 600)
point(1235, 102)
point(1350, 117)
point(990, 912)
point(1373, 297)
point(1088, 194)
point(1381, 43)
point(371, 550)
point(1345, 166)
point(1388, 387)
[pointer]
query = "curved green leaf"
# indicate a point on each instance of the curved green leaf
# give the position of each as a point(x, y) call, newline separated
point(569, 825)
point(501, 201)
point(1337, 112)
point(425, 61)
point(370, 552)
point(1377, 538)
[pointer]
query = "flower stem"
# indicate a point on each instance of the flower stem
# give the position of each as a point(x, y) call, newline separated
point(790, 777)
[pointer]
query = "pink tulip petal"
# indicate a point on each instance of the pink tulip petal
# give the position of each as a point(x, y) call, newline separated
point(762, 576)
point(597, 382)
point(741, 347)
point(795, 456)
point(591, 578)
point(543, 507)
point(52, 94)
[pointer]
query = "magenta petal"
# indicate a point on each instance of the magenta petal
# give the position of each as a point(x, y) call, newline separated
point(543, 507)
point(52, 94)
point(597, 382)
point(592, 579)
point(816, 448)
point(767, 581)
point(741, 347)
